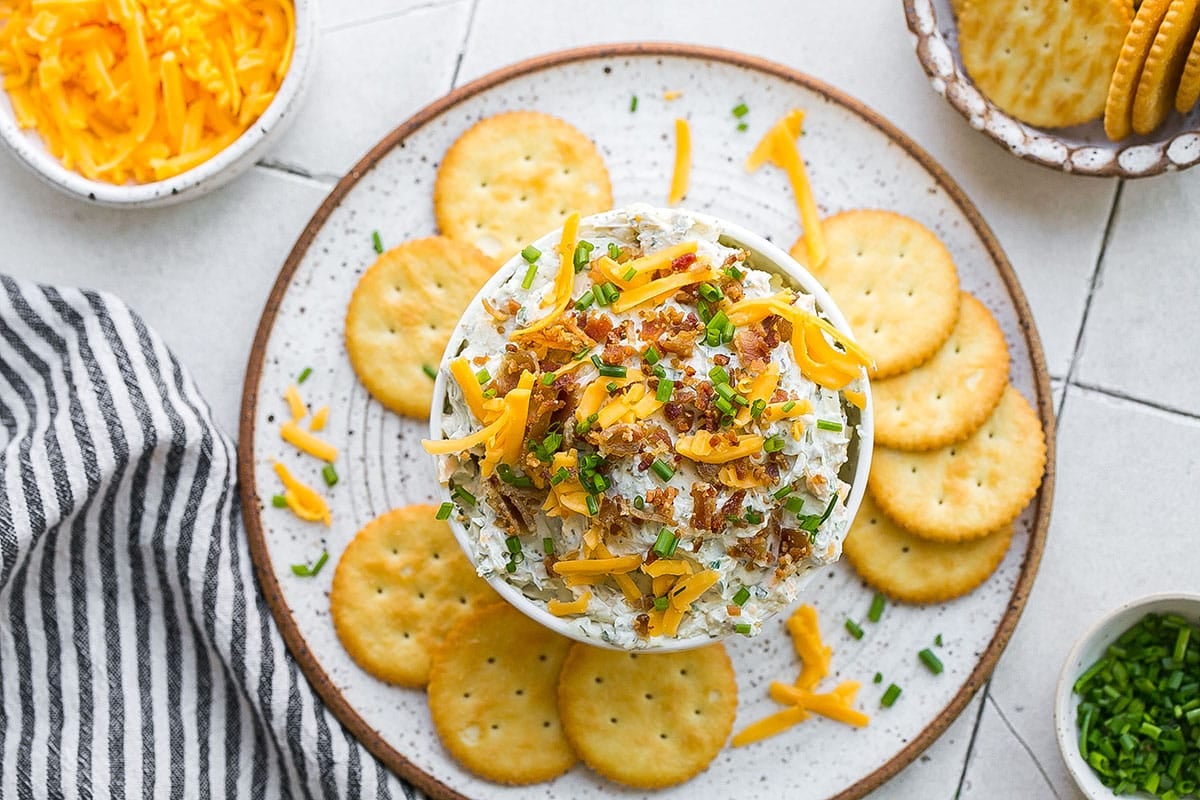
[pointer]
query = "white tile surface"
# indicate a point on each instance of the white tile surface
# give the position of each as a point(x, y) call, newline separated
point(1002, 766)
point(1097, 558)
point(937, 771)
point(1144, 309)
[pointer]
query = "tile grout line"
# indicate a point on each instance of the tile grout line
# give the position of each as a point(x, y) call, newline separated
point(962, 777)
point(390, 16)
point(1094, 284)
point(1119, 395)
point(1029, 750)
point(462, 50)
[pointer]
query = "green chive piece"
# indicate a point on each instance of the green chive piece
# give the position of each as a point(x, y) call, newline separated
point(937, 640)
point(463, 495)
point(665, 544)
point(592, 506)
point(444, 511)
point(878, 678)
point(743, 594)
point(585, 301)
point(488, 394)
point(718, 375)
point(661, 603)
point(530, 274)
point(430, 371)
point(723, 404)
point(483, 376)
point(633, 104)
point(753, 517)
point(305, 571)
point(788, 406)
point(513, 479)
point(757, 408)
point(639, 502)
point(930, 660)
point(662, 469)
point(665, 387)
point(531, 254)
point(614, 251)
point(742, 628)
point(652, 355)
point(304, 373)
point(773, 445)
point(513, 543)
point(511, 566)
point(710, 293)
point(794, 504)
point(740, 110)
point(743, 127)
point(329, 474)
point(782, 493)
point(629, 275)
point(548, 379)
point(659, 372)
point(279, 501)
point(829, 425)
point(560, 476)
point(378, 242)
point(548, 545)
point(583, 254)
point(734, 272)
point(726, 391)
point(854, 629)
point(889, 696)
point(877, 604)
point(612, 387)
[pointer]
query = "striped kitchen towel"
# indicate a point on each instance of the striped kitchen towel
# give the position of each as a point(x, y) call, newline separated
point(137, 657)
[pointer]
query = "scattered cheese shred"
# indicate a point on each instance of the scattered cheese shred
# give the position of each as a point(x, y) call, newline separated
point(835, 705)
point(647, 266)
point(661, 288)
point(761, 388)
point(778, 147)
point(667, 566)
point(711, 448)
point(460, 368)
point(302, 499)
point(813, 653)
point(443, 447)
point(569, 494)
point(319, 418)
point(672, 94)
point(578, 606)
point(683, 162)
point(688, 590)
point(662, 584)
point(295, 403)
point(564, 281)
point(293, 434)
point(633, 595)
point(135, 90)
point(769, 726)
point(599, 566)
point(856, 399)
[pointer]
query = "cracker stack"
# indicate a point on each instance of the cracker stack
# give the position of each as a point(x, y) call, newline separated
point(958, 451)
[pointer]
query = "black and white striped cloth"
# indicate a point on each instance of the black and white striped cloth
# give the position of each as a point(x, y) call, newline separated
point(137, 657)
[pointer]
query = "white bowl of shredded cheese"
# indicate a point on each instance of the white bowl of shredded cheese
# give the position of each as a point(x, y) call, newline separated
point(653, 428)
point(140, 108)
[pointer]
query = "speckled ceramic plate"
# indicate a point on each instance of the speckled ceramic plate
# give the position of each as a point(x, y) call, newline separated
point(856, 159)
point(1083, 149)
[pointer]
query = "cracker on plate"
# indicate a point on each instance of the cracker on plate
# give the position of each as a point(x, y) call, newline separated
point(1159, 82)
point(402, 313)
point(915, 570)
point(493, 697)
point(1045, 62)
point(969, 489)
point(401, 584)
point(949, 396)
point(647, 720)
point(895, 282)
point(1189, 81)
point(514, 177)
point(1118, 105)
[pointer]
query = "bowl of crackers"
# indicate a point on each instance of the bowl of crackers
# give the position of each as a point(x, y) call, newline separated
point(654, 427)
point(1093, 87)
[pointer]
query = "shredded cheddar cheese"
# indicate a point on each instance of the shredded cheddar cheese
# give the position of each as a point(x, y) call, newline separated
point(667, 566)
point(683, 162)
point(302, 499)
point(813, 653)
point(778, 147)
point(564, 281)
point(142, 90)
point(293, 434)
point(689, 590)
point(295, 403)
point(598, 566)
point(711, 448)
point(661, 289)
point(769, 726)
point(577, 606)
point(319, 418)
point(460, 368)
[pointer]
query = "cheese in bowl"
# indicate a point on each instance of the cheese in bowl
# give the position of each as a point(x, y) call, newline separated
point(650, 437)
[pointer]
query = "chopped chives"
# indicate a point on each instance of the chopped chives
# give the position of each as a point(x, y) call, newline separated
point(794, 504)
point(726, 391)
point(662, 469)
point(444, 511)
point(889, 696)
point(639, 502)
point(853, 628)
point(666, 543)
point(878, 678)
point(329, 474)
point(710, 293)
point(583, 254)
point(773, 445)
point(513, 479)
point(560, 476)
point(659, 371)
point(614, 251)
point(530, 273)
point(742, 628)
point(718, 375)
point(633, 104)
point(592, 506)
point(304, 373)
point(305, 571)
point(376, 241)
point(740, 401)
point(743, 594)
point(279, 501)
point(734, 272)
point(511, 566)
point(782, 493)
point(930, 660)
point(513, 543)
point(430, 371)
point(663, 393)
point(788, 406)
point(726, 407)
point(757, 408)
point(740, 110)
point(585, 301)
point(488, 394)
point(877, 604)
point(937, 640)
point(829, 425)
point(462, 494)
point(612, 387)
point(743, 126)
point(661, 603)
point(483, 376)
point(531, 254)
point(609, 370)
point(548, 545)
point(753, 517)
point(629, 275)
point(652, 355)
point(548, 379)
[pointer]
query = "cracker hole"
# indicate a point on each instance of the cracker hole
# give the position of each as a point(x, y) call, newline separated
point(914, 470)
point(478, 225)
point(546, 723)
point(599, 679)
point(542, 657)
point(938, 396)
point(957, 349)
point(491, 659)
point(613, 720)
point(466, 695)
point(979, 484)
point(495, 726)
point(697, 712)
point(904, 549)
point(662, 736)
point(528, 157)
point(524, 198)
point(877, 330)
point(953, 452)
point(462, 601)
point(406, 635)
point(436, 556)
point(519, 692)
point(649, 696)
point(378, 590)
point(683, 672)
point(941, 501)
point(420, 595)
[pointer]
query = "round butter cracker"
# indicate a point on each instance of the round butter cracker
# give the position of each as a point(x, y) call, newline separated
point(1189, 81)
point(1118, 105)
point(948, 397)
point(969, 489)
point(910, 569)
point(647, 720)
point(493, 697)
point(895, 282)
point(1045, 62)
point(402, 313)
point(1160, 79)
point(401, 584)
point(515, 176)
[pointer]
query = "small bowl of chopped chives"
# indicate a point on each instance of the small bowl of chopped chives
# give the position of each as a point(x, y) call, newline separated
point(1127, 712)
point(132, 103)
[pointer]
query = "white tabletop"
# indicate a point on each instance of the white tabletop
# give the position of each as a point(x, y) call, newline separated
point(1111, 271)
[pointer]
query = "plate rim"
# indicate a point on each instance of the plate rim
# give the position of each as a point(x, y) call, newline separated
point(331, 696)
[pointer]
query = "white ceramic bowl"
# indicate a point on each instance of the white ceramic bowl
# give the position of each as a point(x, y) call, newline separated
point(28, 148)
point(1087, 651)
point(765, 256)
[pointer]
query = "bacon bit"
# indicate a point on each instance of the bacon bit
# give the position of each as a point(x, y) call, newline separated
point(722, 359)
point(641, 625)
point(752, 346)
point(704, 507)
point(597, 326)
point(732, 289)
point(683, 263)
point(663, 499)
point(733, 611)
point(616, 353)
point(733, 506)
point(794, 547)
point(495, 313)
